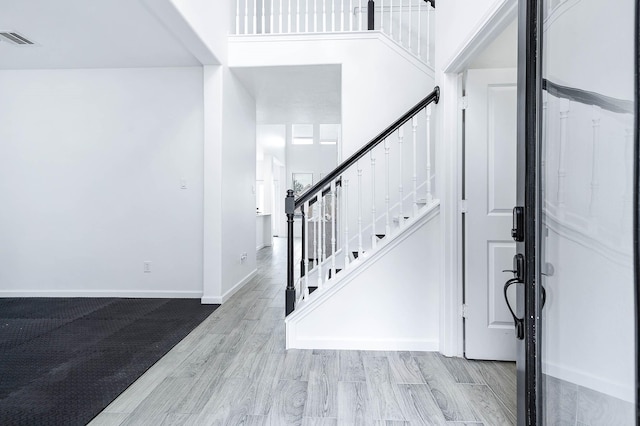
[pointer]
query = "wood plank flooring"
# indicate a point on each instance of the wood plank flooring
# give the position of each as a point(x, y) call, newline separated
point(234, 370)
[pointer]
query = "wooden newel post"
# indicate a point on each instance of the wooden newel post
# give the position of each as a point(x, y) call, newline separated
point(370, 11)
point(289, 207)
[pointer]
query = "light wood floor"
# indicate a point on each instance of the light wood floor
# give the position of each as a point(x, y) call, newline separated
point(233, 369)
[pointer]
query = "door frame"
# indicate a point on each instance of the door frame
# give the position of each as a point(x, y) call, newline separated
point(450, 161)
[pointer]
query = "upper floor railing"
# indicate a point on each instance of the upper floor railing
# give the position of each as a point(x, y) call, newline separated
point(408, 22)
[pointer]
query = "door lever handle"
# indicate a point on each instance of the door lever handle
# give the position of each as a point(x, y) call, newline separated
point(518, 322)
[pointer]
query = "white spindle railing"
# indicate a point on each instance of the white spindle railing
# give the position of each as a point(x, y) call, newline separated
point(595, 155)
point(428, 182)
point(345, 197)
point(387, 198)
point(333, 228)
point(305, 223)
point(627, 198)
point(255, 17)
point(391, 18)
point(327, 212)
point(360, 249)
point(562, 171)
point(373, 201)
point(414, 175)
point(401, 186)
point(320, 240)
point(403, 25)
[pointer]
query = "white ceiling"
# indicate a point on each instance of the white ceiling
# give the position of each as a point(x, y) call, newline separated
point(296, 94)
point(88, 34)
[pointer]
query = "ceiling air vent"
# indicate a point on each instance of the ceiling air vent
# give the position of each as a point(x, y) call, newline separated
point(15, 38)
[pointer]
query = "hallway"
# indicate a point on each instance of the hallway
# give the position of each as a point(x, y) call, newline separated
point(233, 369)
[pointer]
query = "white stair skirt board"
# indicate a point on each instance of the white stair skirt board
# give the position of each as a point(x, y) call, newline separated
point(230, 292)
point(388, 301)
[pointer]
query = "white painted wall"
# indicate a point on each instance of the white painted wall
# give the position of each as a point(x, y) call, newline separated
point(90, 176)
point(211, 21)
point(457, 21)
point(388, 304)
point(380, 81)
point(238, 182)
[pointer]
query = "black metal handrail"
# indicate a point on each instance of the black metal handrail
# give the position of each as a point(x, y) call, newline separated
point(323, 187)
point(433, 97)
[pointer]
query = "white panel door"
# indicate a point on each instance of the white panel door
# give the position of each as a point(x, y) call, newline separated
point(490, 190)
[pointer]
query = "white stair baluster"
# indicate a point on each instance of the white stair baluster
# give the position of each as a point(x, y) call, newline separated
point(350, 15)
point(315, 235)
point(595, 154)
point(333, 228)
point(315, 16)
point(255, 16)
point(245, 30)
point(345, 197)
point(263, 30)
point(400, 24)
point(341, 15)
point(306, 256)
point(271, 18)
point(319, 239)
point(382, 15)
point(374, 239)
point(562, 172)
point(401, 187)
point(324, 16)
point(387, 199)
point(419, 27)
point(360, 251)
point(414, 176)
point(627, 207)
point(289, 18)
point(391, 18)
point(428, 34)
point(280, 18)
point(323, 231)
point(237, 16)
point(297, 16)
point(428, 184)
point(359, 15)
point(410, 23)
point(333, 15)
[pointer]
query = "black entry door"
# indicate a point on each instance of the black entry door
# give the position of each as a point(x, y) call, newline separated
point(577, 156)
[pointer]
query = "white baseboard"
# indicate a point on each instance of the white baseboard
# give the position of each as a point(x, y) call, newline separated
point(588, 380)
point(133, 294)
point(365, 344)
point(260, 246)
point(218, 300)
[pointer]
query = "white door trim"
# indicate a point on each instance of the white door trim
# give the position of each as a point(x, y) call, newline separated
point(499, 16)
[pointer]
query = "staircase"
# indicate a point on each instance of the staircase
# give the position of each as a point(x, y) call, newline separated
point(361, 210)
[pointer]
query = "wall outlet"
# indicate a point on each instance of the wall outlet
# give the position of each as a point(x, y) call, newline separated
point(146, 266)
point(243, 257)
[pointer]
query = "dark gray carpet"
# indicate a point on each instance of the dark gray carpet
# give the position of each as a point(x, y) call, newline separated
point(64, 360)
